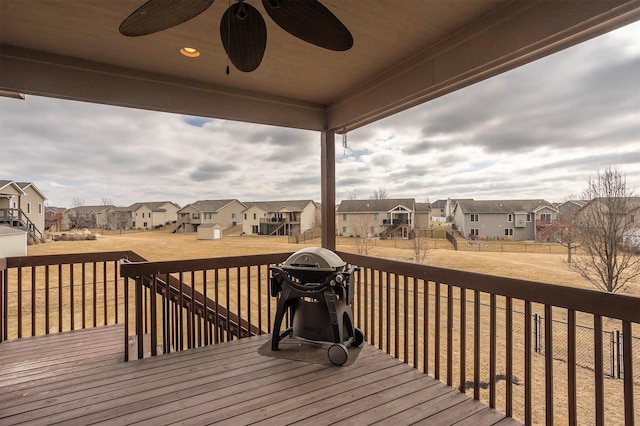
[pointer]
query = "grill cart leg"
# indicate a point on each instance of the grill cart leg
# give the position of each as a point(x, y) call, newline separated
point(283, 305)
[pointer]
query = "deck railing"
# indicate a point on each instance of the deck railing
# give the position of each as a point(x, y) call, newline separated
point(472, 331)
point(460, 327)
point(180, 305)
point(54, 293)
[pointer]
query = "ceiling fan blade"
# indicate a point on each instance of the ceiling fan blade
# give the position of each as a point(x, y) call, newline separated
point(158, 15)
point(244, 36)
point(311, 22)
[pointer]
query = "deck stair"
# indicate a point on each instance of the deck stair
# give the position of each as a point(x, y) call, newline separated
point(16, 218)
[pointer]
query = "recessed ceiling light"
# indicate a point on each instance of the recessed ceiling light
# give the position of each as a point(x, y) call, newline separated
point(190, 52)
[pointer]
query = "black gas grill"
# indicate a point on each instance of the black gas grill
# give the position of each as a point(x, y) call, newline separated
point(314, 286)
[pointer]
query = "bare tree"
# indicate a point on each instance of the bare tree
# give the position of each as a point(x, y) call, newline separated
point(74, 214)
point(419, 246)
point(363, 236)
point(605, 259)
point(109, 212)
point(381, 193)
point(352, 196)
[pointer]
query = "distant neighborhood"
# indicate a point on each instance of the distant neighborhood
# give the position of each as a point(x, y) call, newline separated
point(22, 209)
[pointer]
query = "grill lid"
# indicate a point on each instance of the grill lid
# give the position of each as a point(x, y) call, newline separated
point(316, 258)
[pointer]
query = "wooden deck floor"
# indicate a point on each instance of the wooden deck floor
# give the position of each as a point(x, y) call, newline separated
point(79, 378)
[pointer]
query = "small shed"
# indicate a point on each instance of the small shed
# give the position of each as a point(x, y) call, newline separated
point(209, 231)
point(13, 241)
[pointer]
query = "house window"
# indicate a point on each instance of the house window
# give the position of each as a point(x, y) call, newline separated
point(245, 216)
point(345, 229)
point(474, 231)
point(508, 231)
point(254, 216)
point(145, 225)
point(545, 216)
point(233, 215)
point(255, 229)
point(375, 216)
point(509, 217)
point(207, 215)
point(195, 216)
point(475, 218)
point(39, 208)
point(28, 208)
point(345, 217)
point(528, 217)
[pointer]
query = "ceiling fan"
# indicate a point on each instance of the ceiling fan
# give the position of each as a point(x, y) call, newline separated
point(242, 28)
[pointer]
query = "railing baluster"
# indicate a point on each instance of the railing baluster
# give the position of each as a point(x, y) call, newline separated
point(126, 319)
point(599, 372)
point(71, 298)
point(416, 323)
point(248, 284)
point(388, 314)
point(83, 292)
point(60, 299)
point(492, 350)
point(95, 295)
point(548, 363)
point(104, 293)
point(180, 308)
point(19, 295)
point(437, 325)
point(396, 316)
point(154, 315)
point(425, 324)
point(476, 345)
point(228, 307)
point(449, 335)
point(509, 356)
point(571, 366)
point(627, 361)
point(380, 311)
point(238, 302)
point(33, 301)
point(463, 340)
point(370, 303)
point(47, 301)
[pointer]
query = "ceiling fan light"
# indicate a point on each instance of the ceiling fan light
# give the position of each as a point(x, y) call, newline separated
point(190, 52)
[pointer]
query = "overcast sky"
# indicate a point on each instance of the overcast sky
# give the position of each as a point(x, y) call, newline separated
point(539, 131)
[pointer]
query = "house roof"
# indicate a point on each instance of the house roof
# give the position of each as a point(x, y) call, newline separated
point(502, 206)
point(384, 205)
point(211, 206)
point(439, 204)
point(4, 184)
point(275, 206)
point(405, 52)
point(25, 185)
point(152, 205)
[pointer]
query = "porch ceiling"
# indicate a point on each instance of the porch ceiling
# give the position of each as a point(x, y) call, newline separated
point(405, 52)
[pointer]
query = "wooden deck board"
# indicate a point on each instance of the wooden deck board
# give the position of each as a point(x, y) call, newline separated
point(80, 377)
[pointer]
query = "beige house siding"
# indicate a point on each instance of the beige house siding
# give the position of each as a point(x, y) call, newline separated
point(281, 217)
point(387, 218)
point(26, 197)
point(226, 213)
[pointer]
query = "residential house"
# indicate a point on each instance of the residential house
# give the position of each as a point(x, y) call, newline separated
point(280, 217)
point(385, 218)
point(53, 217)
point(96, 217)
point(226, 213)
point(517, 220)
point(621, 214)
point(151, 215)
point(22, 206)
point(439, 211)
